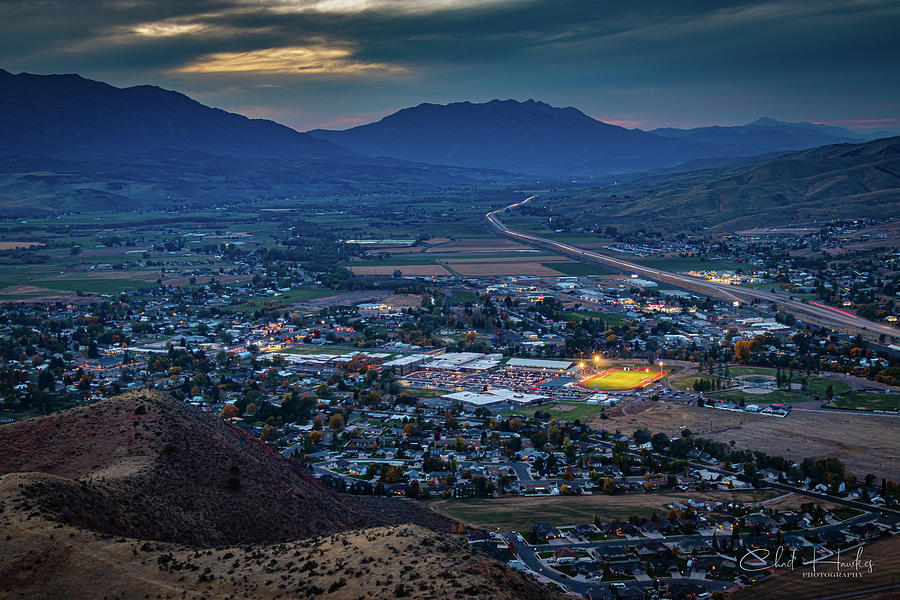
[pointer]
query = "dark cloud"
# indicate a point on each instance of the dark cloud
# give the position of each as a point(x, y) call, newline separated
point(311, 62)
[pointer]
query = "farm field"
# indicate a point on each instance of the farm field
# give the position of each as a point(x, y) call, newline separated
point(578, 269)
point(407, 269)
point(300, 294)
point(568, 411)
point(801, 434)
point(470, 258)
point(677, 264)
point(866, 401)
point(849, 399)
point(422, 392)
point(618, 379)
point(520, 513)
point(611, 319)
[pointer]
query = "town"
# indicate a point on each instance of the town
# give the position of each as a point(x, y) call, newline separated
point(464, 391)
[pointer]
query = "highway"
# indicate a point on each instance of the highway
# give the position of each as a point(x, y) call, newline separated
point(816, 314)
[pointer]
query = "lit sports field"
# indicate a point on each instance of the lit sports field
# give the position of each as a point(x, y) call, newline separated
point(615, 380)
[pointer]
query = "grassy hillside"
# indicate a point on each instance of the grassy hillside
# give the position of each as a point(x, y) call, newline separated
point(842, 180)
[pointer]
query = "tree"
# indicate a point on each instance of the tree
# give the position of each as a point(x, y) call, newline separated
point(609, 485)
point(515, 424)
point(829, 391)
point(230, 411)
point(742, 350)
point(269, 433)
point(412, 490)
point(336, 422)
point(539, 439)
point(659, 441)
point(251, 409)
point(391, 475)
point(641, 436)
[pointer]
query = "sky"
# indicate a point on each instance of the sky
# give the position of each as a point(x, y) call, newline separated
point(340, 63)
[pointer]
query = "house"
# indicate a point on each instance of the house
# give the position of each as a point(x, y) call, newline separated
point(706, 475)
point(651, 548)
point(761, 522)
point(544, 532)
point(656, 526)
point(688, 546)
point(583, 531)
point(620, 528)
point(564, 555)
point(711, 564)
point(866, 531)
point(662, 566)
point(700, 455)
point(724, 524)
point(686, 590)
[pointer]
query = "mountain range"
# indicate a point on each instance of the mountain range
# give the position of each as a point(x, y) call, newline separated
point(71, 143)
point(534, 137)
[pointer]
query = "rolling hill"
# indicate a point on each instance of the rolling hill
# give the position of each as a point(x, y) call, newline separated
point(836, 181)
point(141, 494)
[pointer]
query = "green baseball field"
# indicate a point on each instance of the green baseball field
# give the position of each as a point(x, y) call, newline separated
point(617, 380)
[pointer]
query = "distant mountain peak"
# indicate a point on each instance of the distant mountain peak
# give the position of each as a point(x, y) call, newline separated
point(518, 136)
point(767, 121)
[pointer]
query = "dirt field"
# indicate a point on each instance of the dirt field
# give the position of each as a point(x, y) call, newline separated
point(516, 513)
point(515, 267)
point(14, 245)
point(791, 501)
point(404, 300)
point(885, 557)
point(866, 443)
point(405, 269)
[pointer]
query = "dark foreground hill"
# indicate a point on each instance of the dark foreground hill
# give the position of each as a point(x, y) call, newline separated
point(130, 498)
point(146, 466)
point(837, 181)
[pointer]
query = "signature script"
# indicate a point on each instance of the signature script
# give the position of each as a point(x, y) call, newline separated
point(759, 560)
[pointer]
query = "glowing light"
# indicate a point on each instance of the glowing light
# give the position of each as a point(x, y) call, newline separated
point(164, 29)
point(313, 59)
